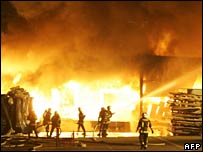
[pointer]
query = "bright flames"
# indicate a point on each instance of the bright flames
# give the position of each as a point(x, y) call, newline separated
point(68, 97)
point(123, 99)
point(198, 83)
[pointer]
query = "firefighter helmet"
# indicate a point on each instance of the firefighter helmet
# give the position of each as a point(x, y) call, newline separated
point(144, 114)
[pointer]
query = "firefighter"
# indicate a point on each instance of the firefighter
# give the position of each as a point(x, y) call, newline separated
point(56, 122)
point(109, 113)
point(32, 125)
point(81, 121)
point(101, 119)
point(44, 115)
point(143, 125)
point(101, 114)
point(47, 120)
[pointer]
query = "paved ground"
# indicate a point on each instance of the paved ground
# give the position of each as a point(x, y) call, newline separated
point(171, 143)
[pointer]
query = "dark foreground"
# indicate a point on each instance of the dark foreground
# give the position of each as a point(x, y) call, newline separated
point(172, 143)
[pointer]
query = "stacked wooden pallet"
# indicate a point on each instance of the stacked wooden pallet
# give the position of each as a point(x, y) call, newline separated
point(186, 113)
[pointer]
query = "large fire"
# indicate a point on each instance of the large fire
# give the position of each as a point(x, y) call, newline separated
point(52, 61)
point(68, 97)
point(123, 99)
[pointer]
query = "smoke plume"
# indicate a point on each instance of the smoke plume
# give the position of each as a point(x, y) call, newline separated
point(59, 41)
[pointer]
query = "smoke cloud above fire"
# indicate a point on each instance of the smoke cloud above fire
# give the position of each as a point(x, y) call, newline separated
point(53, 42)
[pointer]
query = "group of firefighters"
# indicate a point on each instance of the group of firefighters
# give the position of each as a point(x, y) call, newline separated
point(103, 119)
point(54, 121)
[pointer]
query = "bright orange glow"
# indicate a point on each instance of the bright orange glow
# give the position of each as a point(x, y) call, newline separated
point(182, 78)
point(17, 78)
point(149, 109)
point(71, 95)
point(163, 44)
point(157, 109)
point(160, 44)
point(144, 88)
point(38, 103)
point(102, 62)
point(149, 101)
point(198, 82)
point(123, 99)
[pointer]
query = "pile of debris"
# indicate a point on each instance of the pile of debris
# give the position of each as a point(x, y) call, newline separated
point(19, 143)
point(15, 108)
point(186, 111)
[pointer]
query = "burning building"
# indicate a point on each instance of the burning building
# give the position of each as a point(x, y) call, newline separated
point(160, 82)
point(95, 54)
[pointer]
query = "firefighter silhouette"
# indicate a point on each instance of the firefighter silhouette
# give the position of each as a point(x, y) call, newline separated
point(104, 120)
point(109, 114)
point(101, 119)
point(32, 125)
point(56, 123)
point(47, 120)
point(143, 125)
point(81, 121)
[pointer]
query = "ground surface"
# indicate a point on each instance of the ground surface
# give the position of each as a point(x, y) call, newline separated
point(169, 143)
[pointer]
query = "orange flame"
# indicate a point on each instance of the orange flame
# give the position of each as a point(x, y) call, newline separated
point(17, 78)
point(198, 83)
point(71, 95)
point(163, 44)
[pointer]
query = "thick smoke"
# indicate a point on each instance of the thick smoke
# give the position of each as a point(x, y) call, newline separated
point(59, 41)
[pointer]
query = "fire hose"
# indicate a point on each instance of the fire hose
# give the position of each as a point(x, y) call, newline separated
point(60, 130)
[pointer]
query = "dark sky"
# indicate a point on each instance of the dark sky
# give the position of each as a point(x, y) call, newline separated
point(58, 41)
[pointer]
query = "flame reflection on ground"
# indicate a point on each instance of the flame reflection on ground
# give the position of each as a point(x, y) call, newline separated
point(90, 134)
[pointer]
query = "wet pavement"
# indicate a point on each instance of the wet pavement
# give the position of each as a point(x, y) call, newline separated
point(129, 143)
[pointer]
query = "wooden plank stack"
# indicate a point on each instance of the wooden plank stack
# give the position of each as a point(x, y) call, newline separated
point(186, 113)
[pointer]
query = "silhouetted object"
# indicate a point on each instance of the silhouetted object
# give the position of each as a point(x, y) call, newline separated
point(108, 115)
point(101, 115)
point(6, 110)
point(47, 120)
point(56, 122)
point(73, 137)
point(102, 119)
point(23, 105)
point(186, 111)
point(32, 125)
point(81, 121)
point(143, 125)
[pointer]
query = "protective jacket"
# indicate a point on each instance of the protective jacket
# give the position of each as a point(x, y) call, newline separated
point(143, 125)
